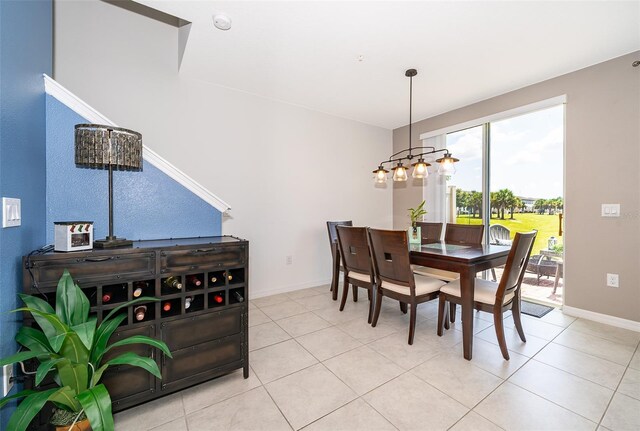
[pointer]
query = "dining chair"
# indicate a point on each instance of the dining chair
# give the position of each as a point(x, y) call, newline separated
point(430, 231)
point(453, 234)
point(335, 255)
point(394, 277)
point(356, 263)
point(463, 233)
point(492, 297)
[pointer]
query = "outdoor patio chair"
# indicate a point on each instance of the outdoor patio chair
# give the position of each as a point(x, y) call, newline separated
point(542, 266)
point(499, 235)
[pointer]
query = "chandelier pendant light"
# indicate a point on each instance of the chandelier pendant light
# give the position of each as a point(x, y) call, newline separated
point(446, 162)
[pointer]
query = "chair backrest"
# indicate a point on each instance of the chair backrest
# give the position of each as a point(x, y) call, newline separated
point(463, 233)
point(354, 249)
point(390, 255)
point(516, 265)
point(331, 227)
point(430, 231)
point(498, 232)
point(333, 235)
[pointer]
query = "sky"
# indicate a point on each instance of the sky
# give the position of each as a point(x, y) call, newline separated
point(526, 154)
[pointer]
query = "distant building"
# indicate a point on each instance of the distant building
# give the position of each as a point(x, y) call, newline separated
point(528, 203)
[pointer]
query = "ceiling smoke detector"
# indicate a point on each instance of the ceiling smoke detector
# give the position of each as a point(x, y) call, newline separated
point(221, 21)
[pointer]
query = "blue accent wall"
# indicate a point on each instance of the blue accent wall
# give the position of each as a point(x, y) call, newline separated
point(25, 54)
point(147, 204)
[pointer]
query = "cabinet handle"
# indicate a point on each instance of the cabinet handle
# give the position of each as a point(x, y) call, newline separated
point(205, 250)
point(98, 259)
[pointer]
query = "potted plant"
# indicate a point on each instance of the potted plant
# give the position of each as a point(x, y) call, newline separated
point(416, 215)
point(71, 346)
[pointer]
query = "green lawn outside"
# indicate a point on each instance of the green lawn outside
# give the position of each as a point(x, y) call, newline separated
point(546, 225)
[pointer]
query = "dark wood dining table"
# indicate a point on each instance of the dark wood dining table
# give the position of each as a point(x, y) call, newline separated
point(467, 260)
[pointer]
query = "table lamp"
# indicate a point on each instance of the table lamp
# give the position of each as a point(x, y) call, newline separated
point(113, 148)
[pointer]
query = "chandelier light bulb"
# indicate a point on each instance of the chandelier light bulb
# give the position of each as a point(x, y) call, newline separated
point(447, 167)
point(420, 169)
point(400, 173)
point(381, 174)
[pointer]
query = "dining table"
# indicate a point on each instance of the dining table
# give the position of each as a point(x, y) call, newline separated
point(467, 260)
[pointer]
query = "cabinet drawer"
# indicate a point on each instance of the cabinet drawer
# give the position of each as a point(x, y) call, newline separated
point(140, 349)
point(126, 383)
point(197, 258)
point(202, 358)
point(95, 268)
point(179, 334)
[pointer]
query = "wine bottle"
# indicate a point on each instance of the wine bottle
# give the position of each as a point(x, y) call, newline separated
point(238, 296)
point(187, 302)
point(140, 312)
point(166, 306)
point(218, 298)
point(229, 276)
point(106, 297)
point(173, 282)
point(139, 287)
point(194, 281)
point(214, 279)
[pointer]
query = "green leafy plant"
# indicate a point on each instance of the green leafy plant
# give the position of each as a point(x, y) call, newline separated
point(416, 213)
point(558, 248)
point(71, 346)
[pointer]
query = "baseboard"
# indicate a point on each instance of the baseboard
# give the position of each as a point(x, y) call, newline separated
point(290, 288)
point(602, 318)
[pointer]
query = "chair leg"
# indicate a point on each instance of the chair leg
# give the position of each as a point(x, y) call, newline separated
point(498, 323)
point(345, 293)
point(493, 274)
point(442, 313)
point(376, 314)
point(335, 278)
point(403, 307)
point(412, 323)
point(452, 312)
point(515, 312)
point(370, 305)
point(355, 293)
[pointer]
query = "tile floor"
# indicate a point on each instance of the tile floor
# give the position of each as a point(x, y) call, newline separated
point(316, 368)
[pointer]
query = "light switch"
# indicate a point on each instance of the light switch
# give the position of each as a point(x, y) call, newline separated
point(11, 212)
point(610, 210)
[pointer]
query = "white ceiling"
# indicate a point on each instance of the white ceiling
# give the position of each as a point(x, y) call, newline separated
point(306, 53)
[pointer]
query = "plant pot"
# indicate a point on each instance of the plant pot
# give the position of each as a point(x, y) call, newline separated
point(415, 235)
point(79, 426)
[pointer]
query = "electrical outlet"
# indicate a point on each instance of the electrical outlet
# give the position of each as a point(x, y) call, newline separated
point(289, 260)
point(7, 379)
point(613, 280)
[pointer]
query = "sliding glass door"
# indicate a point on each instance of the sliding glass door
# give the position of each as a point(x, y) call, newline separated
point(510, 178)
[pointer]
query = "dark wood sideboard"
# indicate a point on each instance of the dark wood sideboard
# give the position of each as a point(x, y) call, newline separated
point(207, 339)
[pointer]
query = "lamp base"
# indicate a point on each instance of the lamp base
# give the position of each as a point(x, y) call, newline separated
point(112, 242)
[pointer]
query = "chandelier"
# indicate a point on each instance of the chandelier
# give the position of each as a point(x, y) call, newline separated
point(420, 167)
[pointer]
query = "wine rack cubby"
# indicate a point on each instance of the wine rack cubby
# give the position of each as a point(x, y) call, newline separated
point(200, 284)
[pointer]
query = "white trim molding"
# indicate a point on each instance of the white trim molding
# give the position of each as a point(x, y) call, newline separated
point(80, 107)
point(602, 318)
point(521, 110)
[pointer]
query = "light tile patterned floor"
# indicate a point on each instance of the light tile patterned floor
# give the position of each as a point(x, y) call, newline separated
point(315, 368)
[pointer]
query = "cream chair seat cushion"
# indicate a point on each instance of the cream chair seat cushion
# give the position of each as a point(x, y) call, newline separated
point(360, 276)
point(434, 272)
point(423, 285)
point(485, 291)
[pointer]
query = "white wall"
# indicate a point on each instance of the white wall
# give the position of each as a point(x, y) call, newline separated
point(284, 170)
